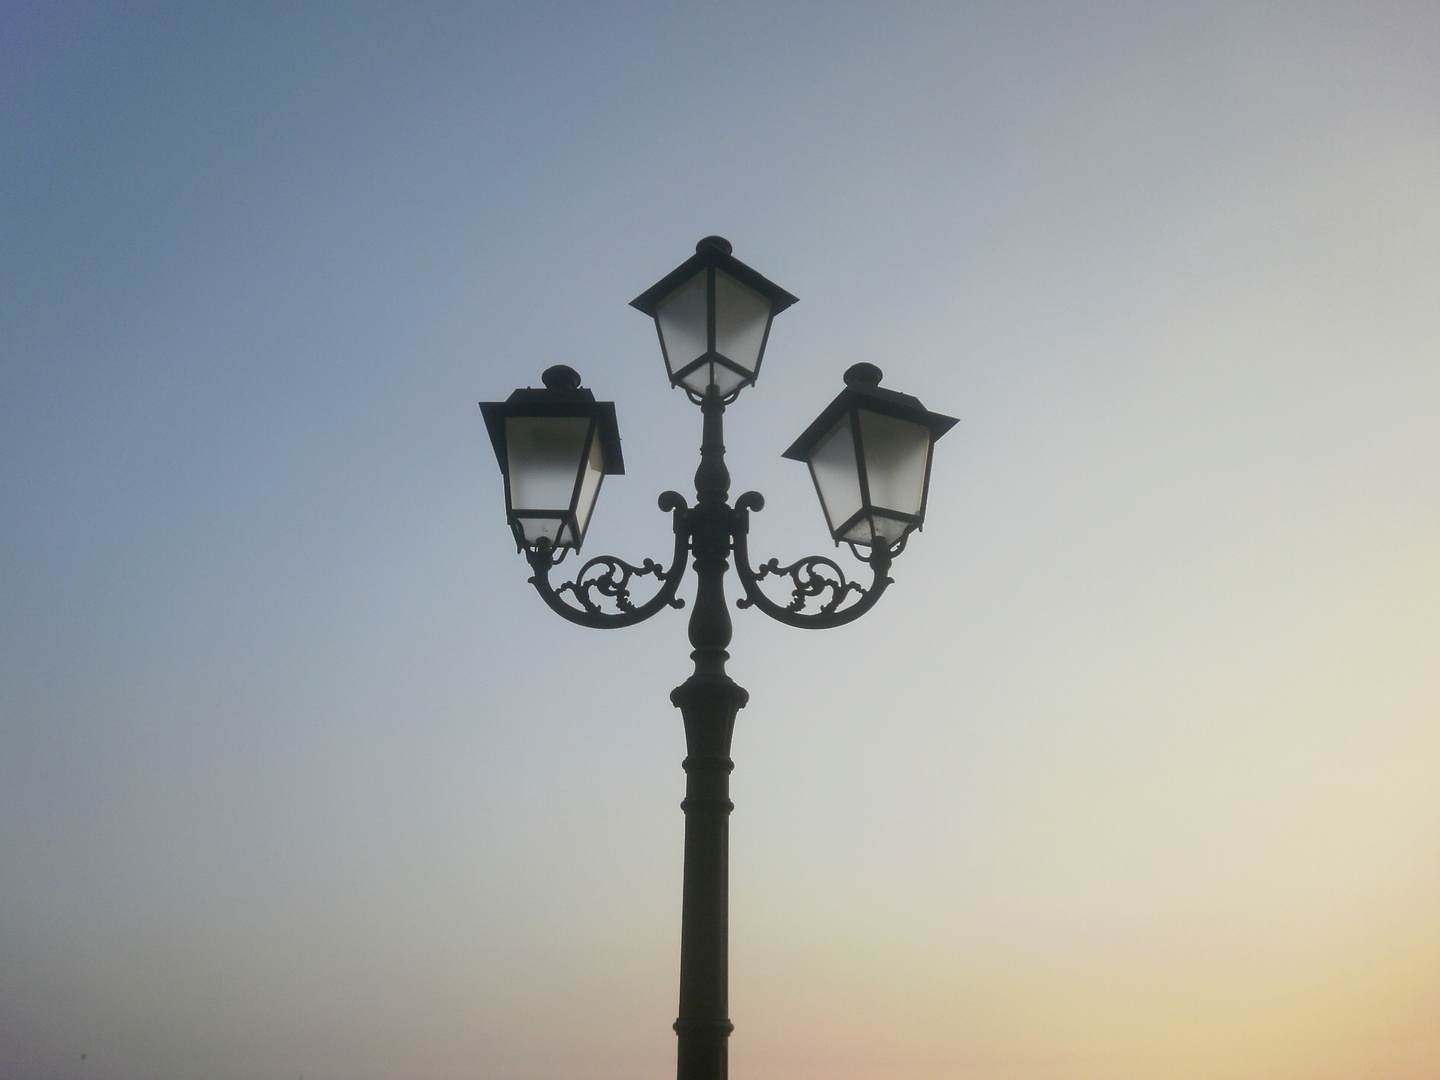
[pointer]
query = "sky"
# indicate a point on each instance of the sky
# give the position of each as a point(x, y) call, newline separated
point(1131, 775)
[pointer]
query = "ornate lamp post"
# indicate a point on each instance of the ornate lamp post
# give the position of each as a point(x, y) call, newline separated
point(869, 454)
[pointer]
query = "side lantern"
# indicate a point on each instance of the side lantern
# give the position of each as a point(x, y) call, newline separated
point(869, 455)
point(554, 447)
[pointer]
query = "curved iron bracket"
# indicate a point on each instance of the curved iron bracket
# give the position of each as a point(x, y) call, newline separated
point(811, 578)
point(606, 577)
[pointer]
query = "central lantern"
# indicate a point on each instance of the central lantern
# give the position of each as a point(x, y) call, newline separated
point(713, 314)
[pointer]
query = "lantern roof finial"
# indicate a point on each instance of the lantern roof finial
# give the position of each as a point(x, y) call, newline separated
point(863, 375)
point(560, 377)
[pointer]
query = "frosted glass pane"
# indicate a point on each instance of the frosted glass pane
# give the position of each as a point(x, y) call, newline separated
point(544, 453)
point(889, 530)
point(727, 379)
point(740, 318)
point(700, 379)
point(895, 453)
point(535, 528)
point(873, 527)
point(590, 485)
point(832, 463)
point(682, 319)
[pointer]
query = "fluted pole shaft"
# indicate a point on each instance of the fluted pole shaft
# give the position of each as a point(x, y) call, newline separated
point(708, 701)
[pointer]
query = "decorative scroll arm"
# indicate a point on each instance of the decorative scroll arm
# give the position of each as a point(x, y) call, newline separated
point(812, 578)
point(606, 577)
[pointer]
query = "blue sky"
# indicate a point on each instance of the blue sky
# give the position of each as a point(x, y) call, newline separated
point(1130, 775)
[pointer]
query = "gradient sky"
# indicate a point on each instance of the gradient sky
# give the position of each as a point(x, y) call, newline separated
point(1133, 775)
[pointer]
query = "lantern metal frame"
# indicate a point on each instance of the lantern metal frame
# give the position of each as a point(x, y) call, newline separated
point(562, 398)
point(710, 535)
point(863, 393)
point(712, 255)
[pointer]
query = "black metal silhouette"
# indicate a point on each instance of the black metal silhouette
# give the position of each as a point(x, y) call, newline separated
point(709, 534)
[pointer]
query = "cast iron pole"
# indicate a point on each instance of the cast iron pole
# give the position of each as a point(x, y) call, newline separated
point(708, 701)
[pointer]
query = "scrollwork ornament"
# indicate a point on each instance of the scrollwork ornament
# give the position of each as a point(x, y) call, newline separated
point(810, 580)
point(608, 578)
point(813, 578)
point(613, 583)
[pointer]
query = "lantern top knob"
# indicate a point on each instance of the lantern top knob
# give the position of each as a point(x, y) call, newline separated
point(863, 375)
point(714, 243)
point(560, 377)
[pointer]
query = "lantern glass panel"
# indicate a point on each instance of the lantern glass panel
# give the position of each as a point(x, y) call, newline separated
point(877, 527)
point(545, 454)
point(589, 487)
point(837, 474)
point(741, 316)
point(896, 452)
point(548, 528)
point(721, 376)
point(683, 320)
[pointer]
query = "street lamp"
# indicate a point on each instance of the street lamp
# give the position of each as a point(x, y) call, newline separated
point(869, 455)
